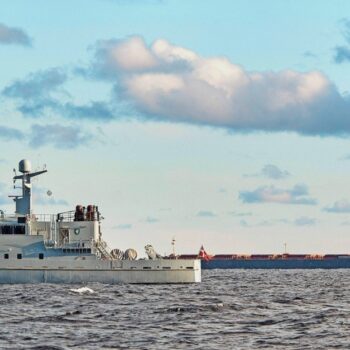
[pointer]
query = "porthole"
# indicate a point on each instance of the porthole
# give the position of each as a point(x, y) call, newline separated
point(76, 231)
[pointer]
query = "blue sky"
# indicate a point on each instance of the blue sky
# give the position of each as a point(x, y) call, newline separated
point(223, 123)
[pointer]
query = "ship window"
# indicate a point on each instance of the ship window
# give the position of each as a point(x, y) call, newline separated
point(88, 250)
point(6, 256)
point(41, 256)
point(147, 268)
point(19, 230)
point(19, 256)
point(6, 230)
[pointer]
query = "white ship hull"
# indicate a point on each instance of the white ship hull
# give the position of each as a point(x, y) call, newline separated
point(139, 271)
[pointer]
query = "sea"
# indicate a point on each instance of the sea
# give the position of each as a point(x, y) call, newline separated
point(230, 309)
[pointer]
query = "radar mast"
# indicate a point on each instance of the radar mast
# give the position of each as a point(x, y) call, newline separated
point(24, 201)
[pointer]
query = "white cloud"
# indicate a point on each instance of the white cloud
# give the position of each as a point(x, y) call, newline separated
point(132, 55)
point(170, 53)
point(270, 194)
point(176, 84)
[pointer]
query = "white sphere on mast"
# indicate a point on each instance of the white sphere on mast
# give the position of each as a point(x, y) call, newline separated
point(25, 166)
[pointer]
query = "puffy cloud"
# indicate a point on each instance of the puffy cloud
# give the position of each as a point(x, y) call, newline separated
point(115, 57)
point(129, 55)
point(176, 84)
point(270, 194)
point(37, 85)
point(40, 92)
point(11, 35)
point(59, 136)
point(304, 221)
point(34, 92)
point(171, 83)
point(205, 214)
point(341, 206)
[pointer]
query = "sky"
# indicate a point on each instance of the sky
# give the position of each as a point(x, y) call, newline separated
point(222, 123)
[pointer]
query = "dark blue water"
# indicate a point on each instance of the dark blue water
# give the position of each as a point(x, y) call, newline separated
point(230, 309)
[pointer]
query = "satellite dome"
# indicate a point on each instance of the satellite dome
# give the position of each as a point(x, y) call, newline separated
point(25, 166)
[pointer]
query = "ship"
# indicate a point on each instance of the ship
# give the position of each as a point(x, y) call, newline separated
point(270, 261)
point(68, 247)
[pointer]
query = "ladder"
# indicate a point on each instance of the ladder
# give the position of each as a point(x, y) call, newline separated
point(104, 250)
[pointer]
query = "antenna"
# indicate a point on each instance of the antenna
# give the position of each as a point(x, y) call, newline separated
point(173, 244)
point(24, 201)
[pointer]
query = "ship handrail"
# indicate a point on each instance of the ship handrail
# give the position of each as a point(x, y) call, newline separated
point(103, 249)
point(6, 217)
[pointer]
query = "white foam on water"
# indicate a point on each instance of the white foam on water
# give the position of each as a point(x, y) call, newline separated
point(82, 290)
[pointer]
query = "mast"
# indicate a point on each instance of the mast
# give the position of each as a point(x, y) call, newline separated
point(24, 202)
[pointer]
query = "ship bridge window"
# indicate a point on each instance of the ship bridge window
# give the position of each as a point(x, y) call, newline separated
point(9, 230)
point(6, 256)
point(77, 250)
point(19, 230)
point(22, 220)
point(6, 230)
point(19, 256)
point(41, 256)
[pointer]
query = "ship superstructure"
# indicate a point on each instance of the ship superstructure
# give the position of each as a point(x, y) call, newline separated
point(68, 248)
